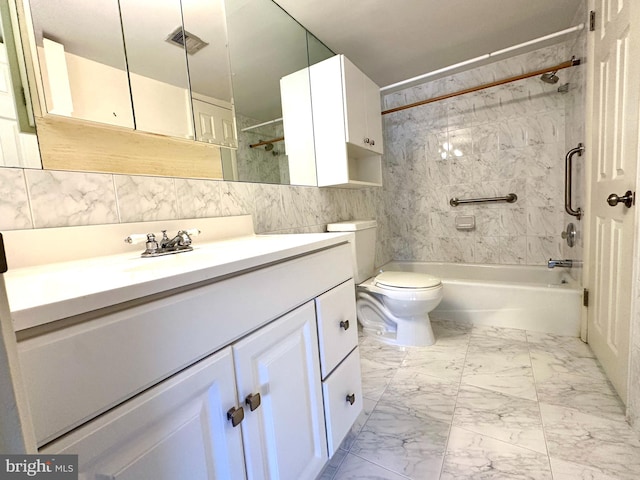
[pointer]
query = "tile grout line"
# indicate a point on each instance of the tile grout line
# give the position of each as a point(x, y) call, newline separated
point(455, 406)
point(535, 384)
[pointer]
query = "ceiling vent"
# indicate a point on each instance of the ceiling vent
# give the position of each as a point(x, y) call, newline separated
point(183, 39)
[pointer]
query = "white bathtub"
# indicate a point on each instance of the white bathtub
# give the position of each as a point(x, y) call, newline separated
point(526, 297)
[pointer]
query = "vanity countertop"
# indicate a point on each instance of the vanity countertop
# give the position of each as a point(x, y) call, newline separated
point(43, 293)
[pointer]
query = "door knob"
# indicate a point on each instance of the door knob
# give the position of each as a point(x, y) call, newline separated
point(344, 324)
point(351, 398)
point(627, 199)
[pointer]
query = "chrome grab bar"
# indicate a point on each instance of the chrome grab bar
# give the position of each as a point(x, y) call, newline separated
point(568, 169)
point(509, 198)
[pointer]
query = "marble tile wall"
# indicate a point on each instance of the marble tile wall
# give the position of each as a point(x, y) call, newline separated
point(575, 115)
point(46, 198)
point(489, 143)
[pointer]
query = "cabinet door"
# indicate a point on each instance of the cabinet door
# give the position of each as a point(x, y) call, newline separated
point(362, 109)
point(284, 437)
point(178, 429)
point(373, 121)
point(354, 108)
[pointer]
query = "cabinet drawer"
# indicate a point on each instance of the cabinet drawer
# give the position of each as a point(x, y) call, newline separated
point(340, 413)
point(337, 325)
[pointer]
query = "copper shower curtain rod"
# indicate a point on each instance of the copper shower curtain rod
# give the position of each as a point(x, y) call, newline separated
point(569, 63)
point(266, 142)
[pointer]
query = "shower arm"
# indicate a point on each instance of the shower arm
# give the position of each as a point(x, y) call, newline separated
point(568, 173)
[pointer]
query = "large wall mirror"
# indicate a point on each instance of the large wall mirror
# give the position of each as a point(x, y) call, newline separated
point(17, 127)
point(194, 71)
point(265, 45)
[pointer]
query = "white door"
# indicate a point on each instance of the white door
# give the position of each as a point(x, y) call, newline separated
point(16, 149)
point(214, 124)
point(178, 429)
point(612, 123)
point(284, 436)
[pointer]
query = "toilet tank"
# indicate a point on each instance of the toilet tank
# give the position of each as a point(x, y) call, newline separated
point(363, 248)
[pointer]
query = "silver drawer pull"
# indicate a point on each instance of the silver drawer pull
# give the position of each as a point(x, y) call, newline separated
point(236, 415)
point(351, 398)
point(344, 324)
point(253, 400)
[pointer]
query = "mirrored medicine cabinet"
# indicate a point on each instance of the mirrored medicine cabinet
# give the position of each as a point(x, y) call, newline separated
point(162, 87)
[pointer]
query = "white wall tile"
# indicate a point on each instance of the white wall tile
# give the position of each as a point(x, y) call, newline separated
point(71, 198)
point(142, 199)
point(509, 138)
point(198, 198)
point(14, 201)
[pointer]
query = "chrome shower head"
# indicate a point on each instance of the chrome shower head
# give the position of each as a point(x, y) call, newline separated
point(550, 77)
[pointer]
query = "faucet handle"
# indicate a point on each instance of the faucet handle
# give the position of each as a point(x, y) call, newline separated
point(192, 232)
point(136, 238)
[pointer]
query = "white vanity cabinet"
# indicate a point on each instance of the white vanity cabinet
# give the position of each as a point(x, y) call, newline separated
point(347, 124)
point(151, 387)
point(184, 427)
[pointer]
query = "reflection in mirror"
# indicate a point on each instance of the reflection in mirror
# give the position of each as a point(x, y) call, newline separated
point(17, 136)
point(318, 51)
point(157, 64)
point(265, 44)
point(209, 75)
point(82, 60)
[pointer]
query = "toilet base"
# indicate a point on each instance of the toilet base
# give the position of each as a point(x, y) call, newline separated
point(378, 322)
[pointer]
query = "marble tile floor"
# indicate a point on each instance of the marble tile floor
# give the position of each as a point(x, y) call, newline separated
point(486, 403)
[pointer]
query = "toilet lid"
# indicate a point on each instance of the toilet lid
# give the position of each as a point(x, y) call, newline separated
point(406, 280)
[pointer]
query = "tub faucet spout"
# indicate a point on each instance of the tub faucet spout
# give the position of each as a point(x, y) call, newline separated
point(560, 263)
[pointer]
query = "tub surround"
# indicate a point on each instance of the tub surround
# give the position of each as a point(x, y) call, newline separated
point(505, 139)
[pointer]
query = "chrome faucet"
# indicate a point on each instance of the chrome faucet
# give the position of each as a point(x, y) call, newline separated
point(560, 263)
point(180, 243)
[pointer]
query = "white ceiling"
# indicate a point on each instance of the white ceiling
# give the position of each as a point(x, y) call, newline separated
point(393, 40)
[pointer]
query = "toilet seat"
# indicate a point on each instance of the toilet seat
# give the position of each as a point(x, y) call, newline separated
point(404, 281)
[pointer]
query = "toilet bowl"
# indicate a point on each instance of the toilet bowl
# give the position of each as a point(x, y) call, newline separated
point(392, 306)
point(395, 307)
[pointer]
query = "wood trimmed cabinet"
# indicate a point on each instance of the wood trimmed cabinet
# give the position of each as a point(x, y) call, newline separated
point(231, 388)
point(346, 129)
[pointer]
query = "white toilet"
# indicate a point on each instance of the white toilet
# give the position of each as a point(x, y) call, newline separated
point(393, 306)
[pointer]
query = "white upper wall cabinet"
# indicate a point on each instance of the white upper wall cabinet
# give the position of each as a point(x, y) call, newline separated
point(347, 126)
point(362, 108)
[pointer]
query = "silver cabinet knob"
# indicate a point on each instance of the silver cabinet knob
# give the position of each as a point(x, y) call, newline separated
point(351, 398)
point(235, 415)
point(627, 199)
point(253, 400)
point(372, 143)
point(344, 324)
point(367, 141)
